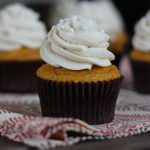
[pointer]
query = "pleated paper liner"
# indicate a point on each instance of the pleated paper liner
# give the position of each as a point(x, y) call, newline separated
point(93, 102)
point(18, 77)
point(141, 76)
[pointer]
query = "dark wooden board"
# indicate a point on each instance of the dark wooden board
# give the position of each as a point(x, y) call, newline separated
point(139, 142)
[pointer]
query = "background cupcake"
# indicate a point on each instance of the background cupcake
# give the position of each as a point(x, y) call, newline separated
point(21, 35)
point(106, 16)
point(140, 56)
point(78, 80)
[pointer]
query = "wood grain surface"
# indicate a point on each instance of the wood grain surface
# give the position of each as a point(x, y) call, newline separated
point(140, 142)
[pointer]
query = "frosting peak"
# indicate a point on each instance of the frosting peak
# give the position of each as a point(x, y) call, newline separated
point(77, 24)
point(20, 26)
point(141, 39)
point(76, 43)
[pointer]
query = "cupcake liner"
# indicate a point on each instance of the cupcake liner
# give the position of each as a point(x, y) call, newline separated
point(18, 77)
point(90, 102)
point(141, 76)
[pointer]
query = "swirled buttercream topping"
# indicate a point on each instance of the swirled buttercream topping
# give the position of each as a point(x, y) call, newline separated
point(76, 43)
point(20, 27)
point(141, 39)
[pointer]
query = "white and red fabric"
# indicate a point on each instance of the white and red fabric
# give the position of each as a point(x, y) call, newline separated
point(132, 117)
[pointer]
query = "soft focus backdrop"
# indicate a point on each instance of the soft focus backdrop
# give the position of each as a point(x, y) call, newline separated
point(131, 10)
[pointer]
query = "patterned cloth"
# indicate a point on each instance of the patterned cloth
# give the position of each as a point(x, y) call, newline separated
point(132, 117)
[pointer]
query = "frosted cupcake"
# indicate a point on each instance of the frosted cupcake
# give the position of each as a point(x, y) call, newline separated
point(78, 79)
point(21, 35)
point(63, 9)
point(106, 16)
point(140, 56)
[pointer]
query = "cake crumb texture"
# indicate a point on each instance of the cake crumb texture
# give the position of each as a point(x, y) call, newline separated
point(97, 73)
point(140, 55)
point(23, 54)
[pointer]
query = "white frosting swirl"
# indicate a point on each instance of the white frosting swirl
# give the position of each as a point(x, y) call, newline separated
point(103, 12)
point(141, 39)
point(20, 26)
point(75, 43)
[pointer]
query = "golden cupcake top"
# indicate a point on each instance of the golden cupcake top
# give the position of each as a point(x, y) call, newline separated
point(48, 72)
point(140, 55)
point(22, 54)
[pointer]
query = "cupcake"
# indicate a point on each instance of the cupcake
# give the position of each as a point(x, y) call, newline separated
point(45, 8)
point(78, 79)
point(21, 35)
point(140, 56)
point(63, 9)
point(111, 21)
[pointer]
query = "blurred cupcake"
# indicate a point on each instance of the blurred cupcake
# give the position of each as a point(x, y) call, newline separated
point(78, 80)
point(45, 9)
point(63, 9)
point(140, 56)
point(106, 16)
point(21, 35)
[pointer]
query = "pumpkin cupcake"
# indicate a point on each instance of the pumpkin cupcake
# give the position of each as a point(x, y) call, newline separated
point(140, 56)
point(21, 35)
point(78, 80)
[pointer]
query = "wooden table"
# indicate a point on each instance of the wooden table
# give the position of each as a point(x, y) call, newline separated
point(139, 142)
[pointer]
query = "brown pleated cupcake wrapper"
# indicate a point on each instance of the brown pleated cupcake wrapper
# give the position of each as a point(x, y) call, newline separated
point(141, 76)
point(18, 77)
point(90, 102)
